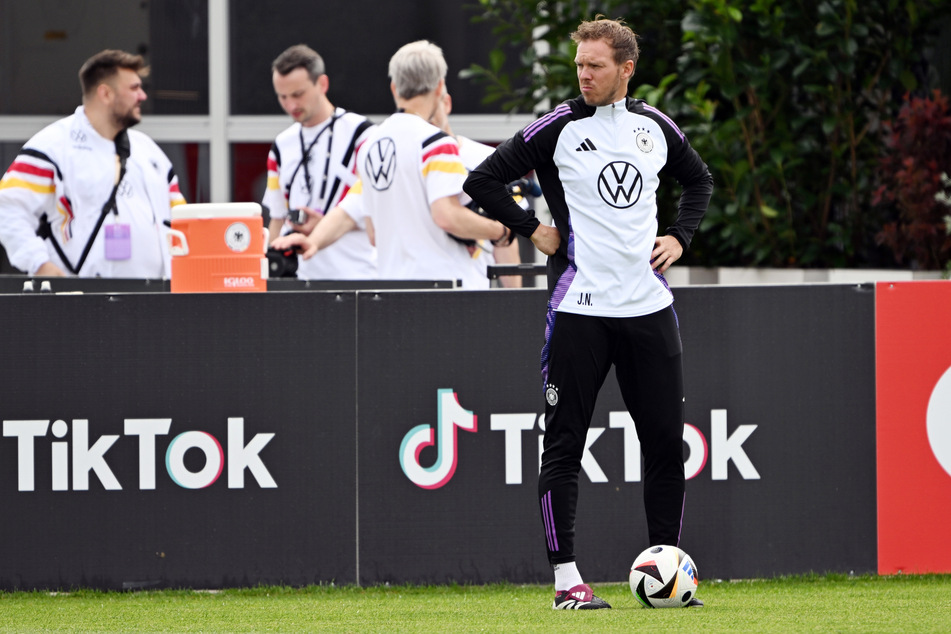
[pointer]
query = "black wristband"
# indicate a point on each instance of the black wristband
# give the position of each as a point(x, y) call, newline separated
point(507, 237)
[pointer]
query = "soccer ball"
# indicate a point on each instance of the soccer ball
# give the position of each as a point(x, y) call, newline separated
point(664, 577)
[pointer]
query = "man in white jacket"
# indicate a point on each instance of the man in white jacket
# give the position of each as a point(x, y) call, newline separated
point(311, 166)
point(411, 183)
point(87, 196)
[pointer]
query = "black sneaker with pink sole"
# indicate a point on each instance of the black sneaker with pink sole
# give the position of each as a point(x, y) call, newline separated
point(580, 597)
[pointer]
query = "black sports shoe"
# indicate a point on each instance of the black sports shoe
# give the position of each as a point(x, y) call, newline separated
point(581, 597)
point(694, 603)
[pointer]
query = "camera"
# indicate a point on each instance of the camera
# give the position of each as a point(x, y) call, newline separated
point(282, 263)
point(297, 216)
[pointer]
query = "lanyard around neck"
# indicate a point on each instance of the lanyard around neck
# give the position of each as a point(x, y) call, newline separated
point(305, 160)
point(123, 151)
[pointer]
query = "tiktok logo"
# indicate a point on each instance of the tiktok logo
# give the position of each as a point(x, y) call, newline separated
point(451, 417)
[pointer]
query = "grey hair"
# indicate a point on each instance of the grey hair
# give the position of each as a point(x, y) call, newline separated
point(417, 68)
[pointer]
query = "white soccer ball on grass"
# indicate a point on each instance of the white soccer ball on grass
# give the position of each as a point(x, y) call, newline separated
point(664, 577)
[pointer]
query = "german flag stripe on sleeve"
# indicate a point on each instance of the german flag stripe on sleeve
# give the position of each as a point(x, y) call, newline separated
point(19, 183)
point(33, 170)
point(441, 154)
point(273, 165)
point(29, 155)
point(443, 148)
point(65, 209)
point(175, 196)
point(448, 167)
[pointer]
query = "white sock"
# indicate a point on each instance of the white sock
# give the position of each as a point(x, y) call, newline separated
point(566, 576)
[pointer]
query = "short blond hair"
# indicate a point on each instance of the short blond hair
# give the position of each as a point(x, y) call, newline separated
point(618, 35)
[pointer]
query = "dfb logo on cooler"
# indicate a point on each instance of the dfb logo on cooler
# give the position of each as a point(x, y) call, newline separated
point(238, 237)
point(77, 458)
point(724, 448)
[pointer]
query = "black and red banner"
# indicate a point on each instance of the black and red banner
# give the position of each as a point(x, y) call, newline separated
point(372, 436)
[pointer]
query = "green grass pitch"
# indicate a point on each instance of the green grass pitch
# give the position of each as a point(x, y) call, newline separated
point(816, 603)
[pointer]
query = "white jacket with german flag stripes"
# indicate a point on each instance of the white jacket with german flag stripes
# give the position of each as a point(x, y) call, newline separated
point(329, 174)
point(405, 165)
point(67, 171)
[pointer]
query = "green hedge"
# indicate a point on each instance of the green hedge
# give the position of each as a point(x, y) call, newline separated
point(787, 101)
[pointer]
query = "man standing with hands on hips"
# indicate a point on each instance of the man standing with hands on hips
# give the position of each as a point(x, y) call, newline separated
point(599, 158)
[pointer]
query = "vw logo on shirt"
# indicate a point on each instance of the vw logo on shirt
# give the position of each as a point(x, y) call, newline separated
point(380, 164)
point(620, 184)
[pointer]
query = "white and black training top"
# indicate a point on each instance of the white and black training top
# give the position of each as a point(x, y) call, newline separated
point(599, 169)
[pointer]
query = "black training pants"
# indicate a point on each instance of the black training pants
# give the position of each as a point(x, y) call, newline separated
point(646, 353)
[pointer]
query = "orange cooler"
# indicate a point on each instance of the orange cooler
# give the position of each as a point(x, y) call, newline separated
point(218, 248)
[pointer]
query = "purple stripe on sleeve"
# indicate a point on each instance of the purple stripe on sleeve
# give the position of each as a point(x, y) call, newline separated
point(533, 128)
point(667, 119)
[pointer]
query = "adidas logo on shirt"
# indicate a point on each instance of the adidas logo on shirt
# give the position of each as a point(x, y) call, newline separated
point(586, 146)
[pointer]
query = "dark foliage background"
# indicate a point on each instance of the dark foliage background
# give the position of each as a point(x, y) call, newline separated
point(792, 103)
